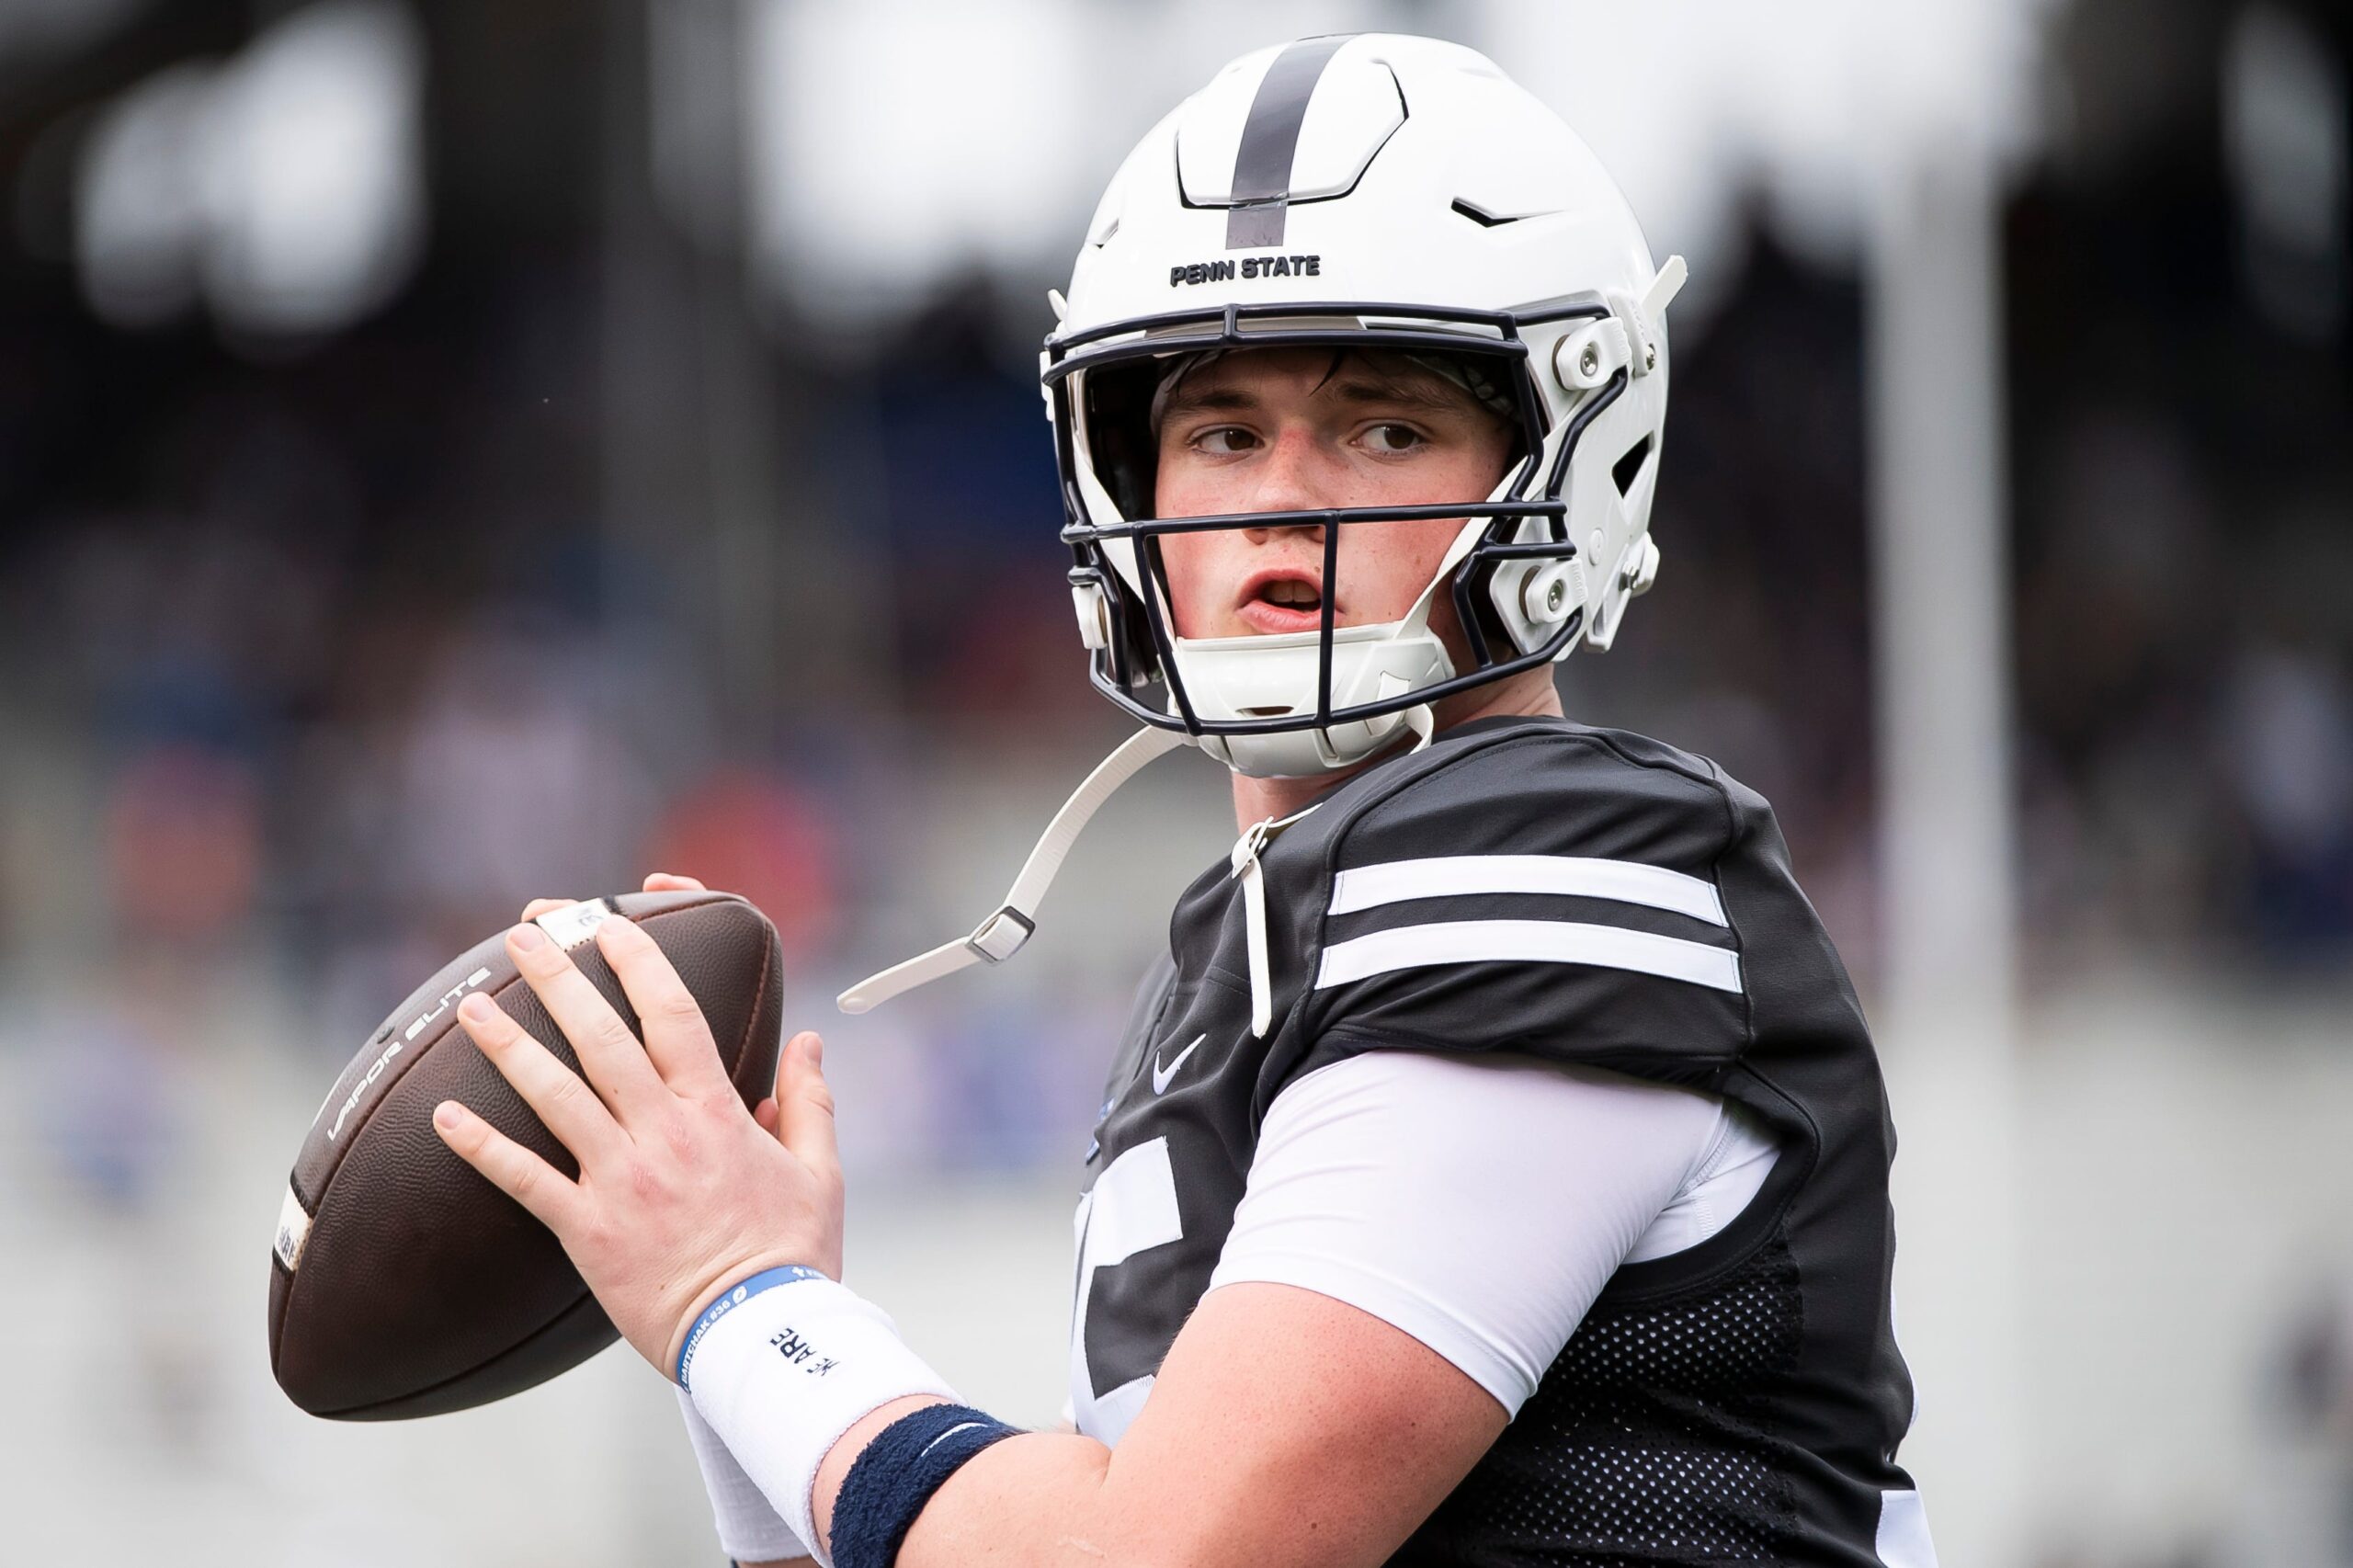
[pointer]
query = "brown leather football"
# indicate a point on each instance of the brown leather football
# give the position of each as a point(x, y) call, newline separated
point(404, 1284)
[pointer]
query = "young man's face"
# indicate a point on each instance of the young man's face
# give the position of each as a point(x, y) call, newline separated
point(1284, 430)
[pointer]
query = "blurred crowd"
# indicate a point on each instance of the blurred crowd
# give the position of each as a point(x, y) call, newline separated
point(313, 679)
point(323, 655)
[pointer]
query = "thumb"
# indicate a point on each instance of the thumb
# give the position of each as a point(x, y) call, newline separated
point(805, 1105)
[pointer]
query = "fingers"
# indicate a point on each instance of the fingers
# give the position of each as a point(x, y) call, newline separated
point(554, 1091)
point(805, 1105)
point(655, 881)
point(509, 1167)
point(610, 1056)
point(677, 1038)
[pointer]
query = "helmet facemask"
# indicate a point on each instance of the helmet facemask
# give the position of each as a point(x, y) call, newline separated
point(1306, 702)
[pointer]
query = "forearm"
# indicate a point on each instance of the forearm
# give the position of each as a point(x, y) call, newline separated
point(1038, 1498)
point(802, 1379)
point(1285, 1430)
point(1190, 1489)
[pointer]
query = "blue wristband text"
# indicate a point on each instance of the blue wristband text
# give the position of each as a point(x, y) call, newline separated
point(767, 1280)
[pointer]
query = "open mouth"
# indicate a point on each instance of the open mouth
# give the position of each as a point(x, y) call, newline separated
point(1282, 601)
point(1291, 593)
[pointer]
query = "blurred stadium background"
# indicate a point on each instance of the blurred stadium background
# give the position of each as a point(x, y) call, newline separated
point(451, 452)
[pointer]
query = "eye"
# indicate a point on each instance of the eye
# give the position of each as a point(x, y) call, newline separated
point(1225, 440)
point(1395, 438)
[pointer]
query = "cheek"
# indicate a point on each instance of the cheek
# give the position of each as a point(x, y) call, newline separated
point(1387, 565)
point(1172, 490)
point(1193, 564)
point(1185, 557)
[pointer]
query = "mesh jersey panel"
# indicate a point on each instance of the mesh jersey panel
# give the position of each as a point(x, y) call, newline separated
point(1649, 1440)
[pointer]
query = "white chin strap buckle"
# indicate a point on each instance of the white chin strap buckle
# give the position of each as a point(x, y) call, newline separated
point(1005, 933)
point(1000, 936)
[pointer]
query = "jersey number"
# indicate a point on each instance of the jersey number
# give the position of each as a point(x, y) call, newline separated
point(1132, 1206)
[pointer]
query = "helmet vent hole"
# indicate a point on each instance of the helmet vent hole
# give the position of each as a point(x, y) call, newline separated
point(1274, 712)
point(1626, 469)
point(1484, 218)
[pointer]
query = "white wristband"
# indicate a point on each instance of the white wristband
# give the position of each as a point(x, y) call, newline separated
point(749, 1529)
point(781, 1375)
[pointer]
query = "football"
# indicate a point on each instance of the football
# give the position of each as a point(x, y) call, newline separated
point(404, 1284)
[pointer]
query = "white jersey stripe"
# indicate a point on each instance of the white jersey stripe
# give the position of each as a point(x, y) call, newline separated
point(1569, 876)
point(1904, 1531)
point(1528, 941)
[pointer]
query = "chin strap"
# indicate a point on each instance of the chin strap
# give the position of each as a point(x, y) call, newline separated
point(999, 936)
point(1423, 723)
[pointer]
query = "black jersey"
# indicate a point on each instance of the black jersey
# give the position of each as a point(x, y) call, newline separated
point(1589, 897)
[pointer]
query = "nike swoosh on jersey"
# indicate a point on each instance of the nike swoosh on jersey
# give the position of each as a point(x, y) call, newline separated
point(1161, 1075)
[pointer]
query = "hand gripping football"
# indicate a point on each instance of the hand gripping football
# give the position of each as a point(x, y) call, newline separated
point(404, 1284)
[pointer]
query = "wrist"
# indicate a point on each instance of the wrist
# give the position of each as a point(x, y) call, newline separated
point(748, 1526)
point(784, 1370)
point(725, 1299)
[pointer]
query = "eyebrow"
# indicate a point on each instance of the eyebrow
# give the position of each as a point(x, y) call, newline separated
point(1354, 389)
point(1190, 400)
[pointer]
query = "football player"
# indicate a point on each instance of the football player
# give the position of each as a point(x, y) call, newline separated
point(1493, 1169)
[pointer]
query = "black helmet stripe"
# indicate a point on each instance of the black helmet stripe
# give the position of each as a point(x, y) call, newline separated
point(1261, 193)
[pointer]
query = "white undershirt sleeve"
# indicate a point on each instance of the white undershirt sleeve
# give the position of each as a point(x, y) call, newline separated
point(1481, 1203)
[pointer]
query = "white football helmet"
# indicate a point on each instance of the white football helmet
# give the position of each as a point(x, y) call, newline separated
point(1367, 192)
point(1380, 192)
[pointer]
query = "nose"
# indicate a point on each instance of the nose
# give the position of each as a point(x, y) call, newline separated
point(1290, 480)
